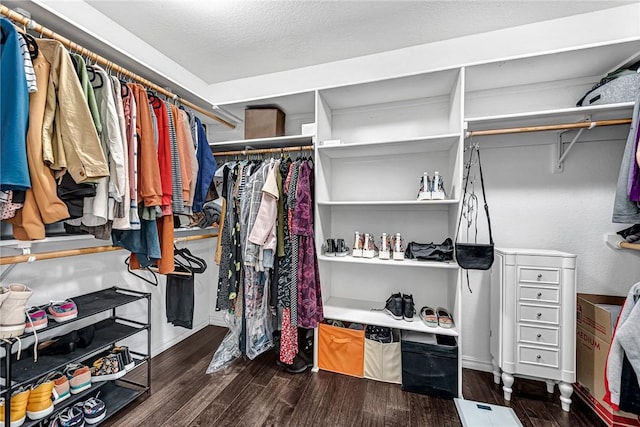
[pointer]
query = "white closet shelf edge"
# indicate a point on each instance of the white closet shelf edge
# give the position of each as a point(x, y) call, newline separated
point(359, 311)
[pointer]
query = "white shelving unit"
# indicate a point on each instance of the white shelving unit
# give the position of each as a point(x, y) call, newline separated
point(391, 132)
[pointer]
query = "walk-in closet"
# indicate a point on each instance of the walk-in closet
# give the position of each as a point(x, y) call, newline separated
point(325, 213)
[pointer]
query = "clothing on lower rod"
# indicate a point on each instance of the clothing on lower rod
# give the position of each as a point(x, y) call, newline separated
point(180, 299)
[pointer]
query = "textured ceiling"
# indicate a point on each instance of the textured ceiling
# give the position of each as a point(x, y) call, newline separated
point(227, 40)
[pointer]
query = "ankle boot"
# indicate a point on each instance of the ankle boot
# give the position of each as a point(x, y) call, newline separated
point(12, 315)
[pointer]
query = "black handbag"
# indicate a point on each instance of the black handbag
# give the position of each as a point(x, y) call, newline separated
point(430, 251)
point(474, 256)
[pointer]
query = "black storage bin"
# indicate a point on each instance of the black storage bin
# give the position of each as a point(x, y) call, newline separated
point(430, 367)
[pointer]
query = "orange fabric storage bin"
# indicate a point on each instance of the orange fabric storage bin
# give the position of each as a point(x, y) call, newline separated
point(341, 350)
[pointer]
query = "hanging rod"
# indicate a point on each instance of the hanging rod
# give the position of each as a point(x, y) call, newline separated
point(563, 126)
point(617, 242)
point(31, 24)
point(263, 151)
point(30, 257)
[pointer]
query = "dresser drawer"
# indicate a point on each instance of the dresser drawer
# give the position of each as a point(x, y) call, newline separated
point(538, 335)
point(539, 275)
point(540, 294)
point(538, 357)
point(542, 314)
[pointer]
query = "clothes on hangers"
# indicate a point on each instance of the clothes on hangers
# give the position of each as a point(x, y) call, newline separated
point(14, 112)
point(625, 342)
point(626, 208)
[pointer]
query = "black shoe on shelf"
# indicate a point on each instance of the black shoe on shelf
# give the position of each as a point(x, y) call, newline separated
point(408, 307)
point(393, 306)
point(381, 334)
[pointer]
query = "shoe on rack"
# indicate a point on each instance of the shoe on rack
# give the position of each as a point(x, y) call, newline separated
point(62, 311)
point(341, 249)
point(429, 317)
point(79, 377)
point(36, 320)
point(68, 417)
point(369, 248)
point(328, 247)
point(358, 243)
point(408, 308)
point(61, 390)
point(393, 306)
point(107, 368)
point(93, 409)
point(125, 356)
point(40, 404)
point(19, 400)
point(445, 320)
point(397, 247)
point(385, 247)
point(13, 313)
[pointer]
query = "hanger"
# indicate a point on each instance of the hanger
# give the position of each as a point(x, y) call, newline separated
point(93, 76)
point(155, 277)
point(190, 259)
point(31, 44)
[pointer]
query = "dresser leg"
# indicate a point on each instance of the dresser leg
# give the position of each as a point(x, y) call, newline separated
point(496, 371)
point(566, 390)
point(550, 385)
point(507, 379)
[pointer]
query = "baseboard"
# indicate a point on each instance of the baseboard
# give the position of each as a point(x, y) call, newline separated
point(217, 319)
point(176, 339)
point(476, 364)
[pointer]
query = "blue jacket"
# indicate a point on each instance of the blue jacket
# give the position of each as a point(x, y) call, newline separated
point(14, 112)
point(206, 168)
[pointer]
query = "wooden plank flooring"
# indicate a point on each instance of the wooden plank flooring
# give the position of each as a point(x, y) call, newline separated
point(258, 393)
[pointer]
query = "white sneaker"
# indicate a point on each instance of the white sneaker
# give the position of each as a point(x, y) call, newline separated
point(369, 249)
point(385, 247)
point(397, 247)
point(358, 243)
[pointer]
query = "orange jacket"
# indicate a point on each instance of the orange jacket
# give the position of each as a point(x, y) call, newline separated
point(149, 182)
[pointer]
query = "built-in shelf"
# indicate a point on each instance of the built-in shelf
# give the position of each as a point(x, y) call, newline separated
point(275, 142)
point(390, 202)
point(556, 116)
point(390, 147)
point(406, 263)
point(360, 311)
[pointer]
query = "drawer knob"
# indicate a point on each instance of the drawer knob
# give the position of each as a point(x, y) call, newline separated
point(538, 357)
point(539, 335)
point(539, 314)
point(539, 294)
point(540, 276)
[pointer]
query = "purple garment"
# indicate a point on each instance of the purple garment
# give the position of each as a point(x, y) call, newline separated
point(309, 291)
point(634, 172)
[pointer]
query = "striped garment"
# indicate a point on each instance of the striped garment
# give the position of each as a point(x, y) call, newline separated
point(28, 65)
point(177, 202)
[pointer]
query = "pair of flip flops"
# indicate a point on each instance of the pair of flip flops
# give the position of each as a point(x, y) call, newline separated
point(436, 317)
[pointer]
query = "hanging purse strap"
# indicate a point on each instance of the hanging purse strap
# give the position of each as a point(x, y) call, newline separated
point(484, 197)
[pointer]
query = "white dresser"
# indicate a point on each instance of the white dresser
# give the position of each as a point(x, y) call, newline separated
point(533, 320)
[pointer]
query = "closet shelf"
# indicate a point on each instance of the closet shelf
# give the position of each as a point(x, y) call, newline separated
point(275, 142)
point(107, 332)
point(359, 311)
point(407, 263)
point(562, 115)
point(419, 144)
point(390, 202)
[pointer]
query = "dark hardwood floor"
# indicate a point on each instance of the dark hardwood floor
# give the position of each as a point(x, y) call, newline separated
point(258, 393)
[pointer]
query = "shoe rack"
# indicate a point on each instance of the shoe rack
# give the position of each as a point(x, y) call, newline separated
point(100, 310)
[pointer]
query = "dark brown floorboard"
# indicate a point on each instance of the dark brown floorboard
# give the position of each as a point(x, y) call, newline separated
point(258, 393)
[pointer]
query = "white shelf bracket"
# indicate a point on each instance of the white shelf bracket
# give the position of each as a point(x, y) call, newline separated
point(561, 153)
point(26, 250)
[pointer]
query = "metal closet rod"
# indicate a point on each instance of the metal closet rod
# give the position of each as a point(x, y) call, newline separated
point(16, 259)
point(263, 151)
point(579, 125)
point(31, 24)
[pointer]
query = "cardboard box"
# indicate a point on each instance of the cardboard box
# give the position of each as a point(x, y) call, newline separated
point(263, 122)
point(596, 318)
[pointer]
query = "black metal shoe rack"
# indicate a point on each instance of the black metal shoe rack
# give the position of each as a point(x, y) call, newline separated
point(115, 394)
